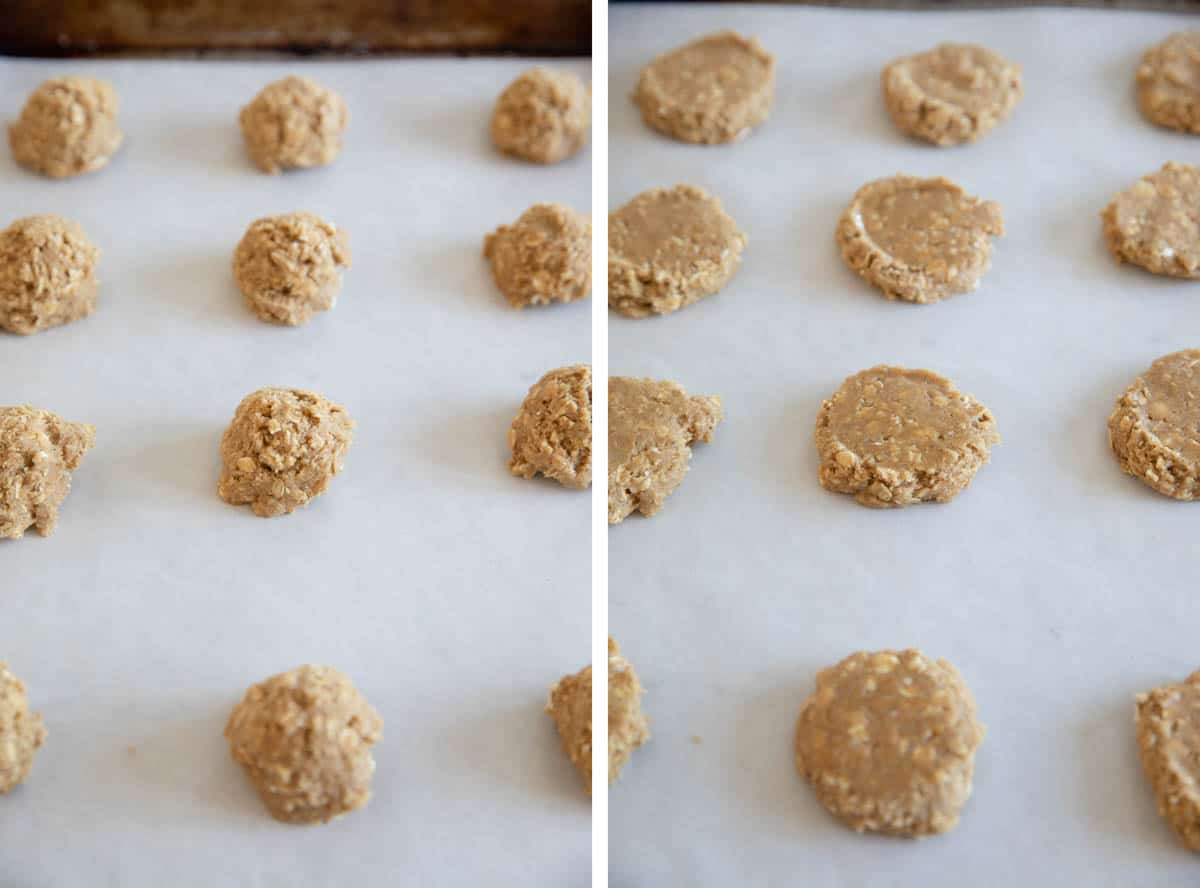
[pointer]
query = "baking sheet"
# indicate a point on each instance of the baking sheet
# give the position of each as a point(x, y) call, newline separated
point(452, 593)
point(1059, 586)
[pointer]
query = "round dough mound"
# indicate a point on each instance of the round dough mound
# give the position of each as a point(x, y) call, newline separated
point(1155, 428)
point(67, 127)
point(1168, 82)
point(290, 267)
point(293, 123)
point(893, 437)
point(918, 240)
point(38, 453)
point(304, 739)
point(47, 274)
point(888, 742)
point(282, 449)
point(1153, 223)
point(954, 93)
point(668, 248)
point(552, 432)
point(21, 731)
point(543, 116)
point(543, 257)
point(1168, 735)
point(715, 89)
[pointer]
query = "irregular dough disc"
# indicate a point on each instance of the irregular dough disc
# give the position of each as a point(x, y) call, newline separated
point(1168, 735)
point(1168, 82)
point(543, 257)
point(552, 432)
point(1153, 223)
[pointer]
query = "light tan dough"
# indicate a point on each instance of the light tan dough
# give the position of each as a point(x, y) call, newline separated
point(21, 731)
point(282, 449)
point(47, 274)
point(552, 432)
point(713, 90)
point(668, 248)
point(1153, 223)
point(1154, 430)
point(67, 127)
point(652, 425)
point(1168, 736)
point(294, 123)
point(1168, 82)
point(888, 742)
point(290, 267)
point(543, 116)
point(304, 739)
point(38, 453)
point(918, 240)
point(894, 437)
point(543, 257)
point(954, 93)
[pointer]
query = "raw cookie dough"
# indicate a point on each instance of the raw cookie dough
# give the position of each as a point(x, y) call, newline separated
point(38, 453)
point(304, 739)
point(543, 257)
point(543, 116)
point(893, 437)
point(282, 449)
point(1155, 428)
point(1168, 736)
point(47, 274)
point(888, 742)
point(668, 248)
point(289, 267)
point(954, 93)
point(552, 432)
point(1154, 223)
point(68, 126)
point(651, 427)
point(570, 706)
point(1168, 82)
point(21, 731)
point(715, 89)
point(919, 240)
point(293, 123)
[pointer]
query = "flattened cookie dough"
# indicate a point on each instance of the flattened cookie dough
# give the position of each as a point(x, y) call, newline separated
point(47, 274)
point(38, 453)
point(893, 437)
point(543, 116)
point(1154, 224)
point(21, 731)
point(282, 449)
point(652, 425)
point(954, 93)
point(918, 240)
point(715, 89)
point(1168, 736)
point(304, 739)
point(67, 127)
point(888, 742)
point(1168, 82)
point(1155, 428)
point(294, 123)
point(668, 248)
point(543, 257)
point(552, 432)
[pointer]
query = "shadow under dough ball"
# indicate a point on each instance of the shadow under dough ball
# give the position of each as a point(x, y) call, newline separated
point(67, 127)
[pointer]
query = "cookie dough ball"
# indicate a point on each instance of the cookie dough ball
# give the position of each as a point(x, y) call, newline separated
point(47, 274)
point(1152, 430)
point(1168, 736)
point(38, 453)
point(951, 94)
point(293, 123)
point(543, 116)
point(1168, 82)
point(893, 437)
point(552, 432)
point(290, 267)
point(304, 739)
point(668, 248)
point(68, 126)
point(652, 425)
point(543, 257)
point(1154, 223)
point(282, 449)
point(712, 90)
point(888, 742)
point(21, 731)
point(918, 240)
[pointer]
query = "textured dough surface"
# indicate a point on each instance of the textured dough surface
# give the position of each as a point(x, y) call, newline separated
point(543, 257)
point(1168, 82)
point(552, 432)
point(542, 117)
point(38, 453)
point(21, 731)
point(888, 742)
point(1168, 735)
point(67, 127)
point(293, 123)
point(47, 274)
point(1153, 223)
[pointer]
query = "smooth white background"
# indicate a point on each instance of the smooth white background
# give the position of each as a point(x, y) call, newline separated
point(451, 592)
point(1059, 586)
